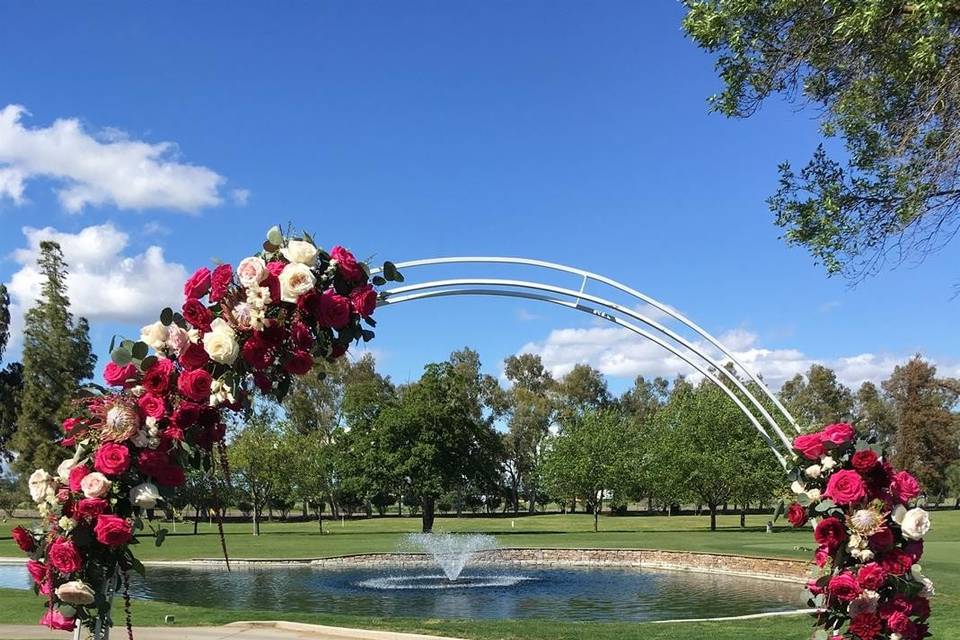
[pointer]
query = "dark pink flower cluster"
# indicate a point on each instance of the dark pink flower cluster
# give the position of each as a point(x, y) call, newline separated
point(238, 332)
point(869, 536)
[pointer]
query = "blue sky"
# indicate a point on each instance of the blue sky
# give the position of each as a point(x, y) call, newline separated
point(572, 132)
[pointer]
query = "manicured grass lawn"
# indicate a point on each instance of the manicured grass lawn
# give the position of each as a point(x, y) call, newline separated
point(299, 540)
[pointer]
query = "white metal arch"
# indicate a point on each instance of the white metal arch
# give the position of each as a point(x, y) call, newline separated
point(668, 339)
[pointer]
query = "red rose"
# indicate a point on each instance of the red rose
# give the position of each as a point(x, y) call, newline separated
point(809, 446)
point(844, 587)
point(866, 626)
point(898, 602)
point(364, 300)
point(864, 461)
point(301, 335)
point(272, 283)
point(197, 314)
point(348, 266)
point(117, 376)
point(91, 507)
point(921, 607)
point(871, 576)
point(37, 571)
point(264, 383)
point(195, 384)
point(337, 350)
point(881, 540)
point(914, 549)
point(198, 284)
point(63, 556)
point(152, 405)
point(194, 357)
point(185, 415)
point(53, 619)
point(332, 310)
point(112, 459)
point(173, 433)
point(256, 352)
point(845, 487)
point(904, 487)
point(219, 282)
point(830, 532)
point(274, 335)
point(896, 562)
point(170, 476)
point(153, 461)
point(796, 515)
point(24, 539)
point(157, 377)
point(113, 531)
point(837, 434)
point(77, 474)
point(300, 363)
point(898, 622)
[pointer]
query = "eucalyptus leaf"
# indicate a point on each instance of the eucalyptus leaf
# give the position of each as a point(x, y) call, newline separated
point(779, 511)
point(148, 362)
point(825, 505)
point(166, 316)
point(275, 236)
point(137, 566)
point(803, 499)
point(121, 357)
point(140, 350)
point(161, 536)
point(379, 280)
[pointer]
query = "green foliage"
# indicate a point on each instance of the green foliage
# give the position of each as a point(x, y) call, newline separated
point(881, 75)
point(818, 398)
point(56, 358)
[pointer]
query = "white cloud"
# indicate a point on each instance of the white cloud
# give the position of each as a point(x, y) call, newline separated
point(107, 168)
point(620, 353)
point(104, 282)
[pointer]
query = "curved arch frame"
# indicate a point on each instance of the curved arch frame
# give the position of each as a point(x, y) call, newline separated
point(608, 310)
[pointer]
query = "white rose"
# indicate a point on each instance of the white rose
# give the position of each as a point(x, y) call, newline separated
point(252, 271)
point(145, 495)
point(899, 512)
point(813, 471)
point(41, 483)
point(928, 590)
point(155, 335)
point(75, 592)
point(95, 485)
point(66, 523)
point(63, 471)
point(814, 495)
point(827, 463)
point(300, 251)
point(140, 439)
point(915, 524)
point(220, 342)
point(797, 487)
point(295, 280)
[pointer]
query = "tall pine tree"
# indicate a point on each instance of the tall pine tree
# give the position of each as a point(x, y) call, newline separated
point(56, 358)
point(11, 380)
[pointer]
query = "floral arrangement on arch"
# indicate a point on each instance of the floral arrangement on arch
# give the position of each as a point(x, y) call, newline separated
point(869, 533)
point(240, 331)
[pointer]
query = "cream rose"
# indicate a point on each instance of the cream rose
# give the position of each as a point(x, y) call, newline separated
point(63, 471)
point(76, 592)
point(915, 524)
point(813, 471)
point(155, 335)
point(797, 487)
point(41, 483)
point(145, 495)
point(814, 495)
point(300, 251)
point(220, 342)
point(252, 271)
point(95, 485)
point(295, 280)
point(827, 463)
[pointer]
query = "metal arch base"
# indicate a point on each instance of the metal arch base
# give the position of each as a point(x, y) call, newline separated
point(695, 356)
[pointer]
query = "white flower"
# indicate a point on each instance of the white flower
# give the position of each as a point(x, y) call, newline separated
point(899, 512)
point(865, 603)
point(855, 542)
point(300, 251)
point(140, 439)
point(75, 592)
point(220, 342)
point(295, 280)
point(155, 335)
point(915, 524)
point(252, 271)
point(814, 495)
point(928, 591)
point(41, 485)
point(145, 495)
point(63, 471)
point(95, 485)
point(827, 463)
point(797, 487)
point(67, 523)
point(813, 471)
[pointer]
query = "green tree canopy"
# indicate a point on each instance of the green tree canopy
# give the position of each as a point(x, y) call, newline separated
point(882, 76)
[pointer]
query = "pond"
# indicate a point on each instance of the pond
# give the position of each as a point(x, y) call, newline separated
point(575, 594)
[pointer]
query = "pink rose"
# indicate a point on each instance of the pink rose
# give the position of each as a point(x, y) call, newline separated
point(198, 284)
point(364, 300)
point(904, 487)
point(809, 446)
point(837, 434)
point(348, 266)
point(195, 384)
point(113, 531)
point(219, 282)
point(843, 587)
point(117, 376)
point(845, 487)
point(332, 310)
point(95, 485)
point(152, 405)
point(63, 556)
point(53, 619)
point(112, 459)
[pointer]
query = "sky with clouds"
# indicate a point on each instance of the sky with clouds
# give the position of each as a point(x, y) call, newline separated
point(151, 140)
